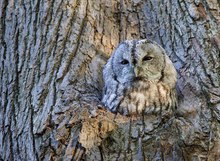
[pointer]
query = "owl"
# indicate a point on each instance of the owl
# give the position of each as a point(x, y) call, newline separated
point(139, 78)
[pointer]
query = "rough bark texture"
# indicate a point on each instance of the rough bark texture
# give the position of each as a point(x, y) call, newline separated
point(51, 59)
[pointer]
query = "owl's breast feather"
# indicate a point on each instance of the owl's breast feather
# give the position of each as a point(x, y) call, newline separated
point(146, 97)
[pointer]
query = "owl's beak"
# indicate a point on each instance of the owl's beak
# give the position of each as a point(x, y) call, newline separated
point(136, 72)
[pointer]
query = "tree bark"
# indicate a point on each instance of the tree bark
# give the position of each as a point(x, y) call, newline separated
point(51, 59)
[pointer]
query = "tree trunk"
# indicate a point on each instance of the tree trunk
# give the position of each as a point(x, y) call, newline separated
point(51, 59)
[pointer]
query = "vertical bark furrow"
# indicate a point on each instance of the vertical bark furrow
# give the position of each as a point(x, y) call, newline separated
point(64, 68)
point(4, 127)
point(4, 5)
point(61, 47)
point(40, 93)
point(35, 11)
point(3, 79)
point(52, 48)
point(8, 125)
point(45, 23)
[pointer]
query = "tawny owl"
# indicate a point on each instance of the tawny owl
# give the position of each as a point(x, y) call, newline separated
point(139, 79)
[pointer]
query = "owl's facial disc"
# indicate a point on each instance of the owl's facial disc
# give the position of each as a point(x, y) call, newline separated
point(141, 61)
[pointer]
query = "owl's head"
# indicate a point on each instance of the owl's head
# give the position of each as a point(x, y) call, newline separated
point(135, 60)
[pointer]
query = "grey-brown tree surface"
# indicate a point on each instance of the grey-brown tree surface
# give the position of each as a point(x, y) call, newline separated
point(51, 58)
